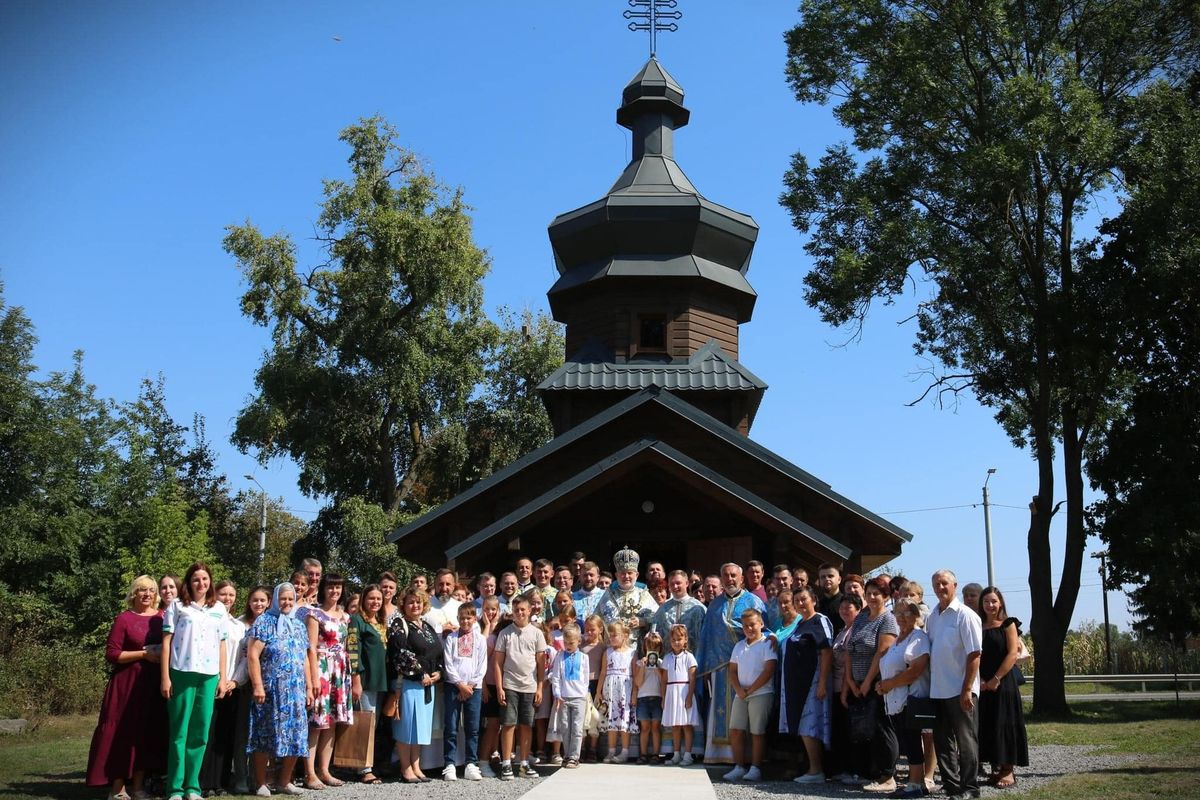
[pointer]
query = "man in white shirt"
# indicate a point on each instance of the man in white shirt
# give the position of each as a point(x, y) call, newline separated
point(956, 636)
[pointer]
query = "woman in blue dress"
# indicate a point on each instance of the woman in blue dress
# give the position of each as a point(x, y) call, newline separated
point(277, 660)
point(803, 693)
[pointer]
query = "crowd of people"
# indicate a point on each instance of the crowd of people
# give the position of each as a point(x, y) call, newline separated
point(558, 665)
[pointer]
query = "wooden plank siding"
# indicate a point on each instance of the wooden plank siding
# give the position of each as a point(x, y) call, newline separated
point(612, 318)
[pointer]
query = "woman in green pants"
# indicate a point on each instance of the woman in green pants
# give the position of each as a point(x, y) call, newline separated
point(194, 637)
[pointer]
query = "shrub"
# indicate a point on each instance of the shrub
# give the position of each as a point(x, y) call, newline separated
point(38, 680)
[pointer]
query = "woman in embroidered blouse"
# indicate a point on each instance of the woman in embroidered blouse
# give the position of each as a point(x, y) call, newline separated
point(414, 665)
point(280, 684)
point(327, 631)
point(127, 741)
point(192, 668)
point(370, 663)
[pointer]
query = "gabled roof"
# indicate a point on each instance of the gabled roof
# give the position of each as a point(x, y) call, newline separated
point(709, 368)
point(713, 481)
point(684, 409)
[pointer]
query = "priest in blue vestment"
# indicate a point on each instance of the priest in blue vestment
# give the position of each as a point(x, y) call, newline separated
point(721, 631)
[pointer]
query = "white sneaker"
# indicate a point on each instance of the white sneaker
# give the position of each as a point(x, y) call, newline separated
point(449, 773)
point(688, 760)
point(753, 775)
point(735, 774)
point(812, 777)
point(556, 760)
point(675, 759)
point(472, 773)
point(263, 791)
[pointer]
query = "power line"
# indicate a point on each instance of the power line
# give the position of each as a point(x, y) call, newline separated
point(947, 508)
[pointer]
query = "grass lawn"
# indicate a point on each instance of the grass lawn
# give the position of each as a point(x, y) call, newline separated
point(50, 762)
point(1164, 737)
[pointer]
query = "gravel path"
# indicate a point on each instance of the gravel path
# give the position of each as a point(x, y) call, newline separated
point(1047, 762)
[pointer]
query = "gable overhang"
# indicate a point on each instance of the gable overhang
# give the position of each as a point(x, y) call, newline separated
point(666, 400)
point(676, 464)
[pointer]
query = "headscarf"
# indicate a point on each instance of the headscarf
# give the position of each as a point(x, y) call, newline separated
point(285, 624)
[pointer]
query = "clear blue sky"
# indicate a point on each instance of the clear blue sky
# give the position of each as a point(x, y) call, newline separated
point(132, 133)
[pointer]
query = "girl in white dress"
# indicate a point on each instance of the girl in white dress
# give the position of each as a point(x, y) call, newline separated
point(615, 692)
point(679, 702)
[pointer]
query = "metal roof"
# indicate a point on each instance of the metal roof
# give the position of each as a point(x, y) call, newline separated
point(709, 368)
point(684, 409)
point(662, 452)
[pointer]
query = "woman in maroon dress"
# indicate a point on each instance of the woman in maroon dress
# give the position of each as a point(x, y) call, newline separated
point(131, 716)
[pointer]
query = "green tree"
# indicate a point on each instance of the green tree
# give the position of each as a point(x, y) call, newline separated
point(376, 349)
point(164, 537)
point(506, 418)
point(1147, 464)
point(236, 542)
point(982, 132)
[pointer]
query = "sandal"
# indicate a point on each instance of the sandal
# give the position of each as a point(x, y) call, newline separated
point(370, 778)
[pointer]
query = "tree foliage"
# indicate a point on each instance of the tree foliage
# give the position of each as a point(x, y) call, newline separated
point(1147, 465)
point(375, 350)
point(982, 131)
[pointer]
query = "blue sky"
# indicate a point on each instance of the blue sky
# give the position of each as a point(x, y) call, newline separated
point(133, 133)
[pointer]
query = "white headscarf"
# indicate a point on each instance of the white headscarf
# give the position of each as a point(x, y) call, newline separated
point(285, 624)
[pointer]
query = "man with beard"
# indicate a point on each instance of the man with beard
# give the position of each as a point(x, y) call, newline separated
point(624, 601)
point(722, 630)
point(588, 595)
point(680, 609)
point(443, 608)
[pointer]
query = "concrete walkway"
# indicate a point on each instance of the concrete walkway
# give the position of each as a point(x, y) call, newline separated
point(606, 781)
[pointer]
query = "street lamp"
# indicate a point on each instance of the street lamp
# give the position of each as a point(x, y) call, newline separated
point(262, 525)
point(987, 527)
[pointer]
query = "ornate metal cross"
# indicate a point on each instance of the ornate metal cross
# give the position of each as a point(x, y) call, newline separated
point(651, 15)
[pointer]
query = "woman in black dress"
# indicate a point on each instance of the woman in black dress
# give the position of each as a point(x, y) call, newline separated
point(1002, 741)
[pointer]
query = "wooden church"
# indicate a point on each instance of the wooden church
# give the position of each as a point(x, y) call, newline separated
point(653, 408)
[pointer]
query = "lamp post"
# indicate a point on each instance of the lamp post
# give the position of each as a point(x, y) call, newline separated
point(262, 525)
point(987, 526)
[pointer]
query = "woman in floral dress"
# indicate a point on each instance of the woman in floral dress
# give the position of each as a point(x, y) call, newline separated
point(328, 626)
point(277, 662)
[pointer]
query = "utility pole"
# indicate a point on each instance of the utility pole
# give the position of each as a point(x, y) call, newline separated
point(262, 525)
point(987, 527)
point(1103, 555)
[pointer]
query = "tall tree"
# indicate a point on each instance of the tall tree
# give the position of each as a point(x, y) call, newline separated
point(376, 348)
point(1147, 464)
point(982, 131)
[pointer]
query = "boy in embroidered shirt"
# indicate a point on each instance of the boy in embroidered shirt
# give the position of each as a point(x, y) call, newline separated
point(520, 670)
point(465, 656)
point(751, 671)
point(569, 678)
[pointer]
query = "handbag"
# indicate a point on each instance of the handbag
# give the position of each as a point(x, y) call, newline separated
point(354, 745)
point(919, 713)
point(863, 715)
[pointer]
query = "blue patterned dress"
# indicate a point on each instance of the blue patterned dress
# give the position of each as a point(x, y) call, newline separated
point(279, 727)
